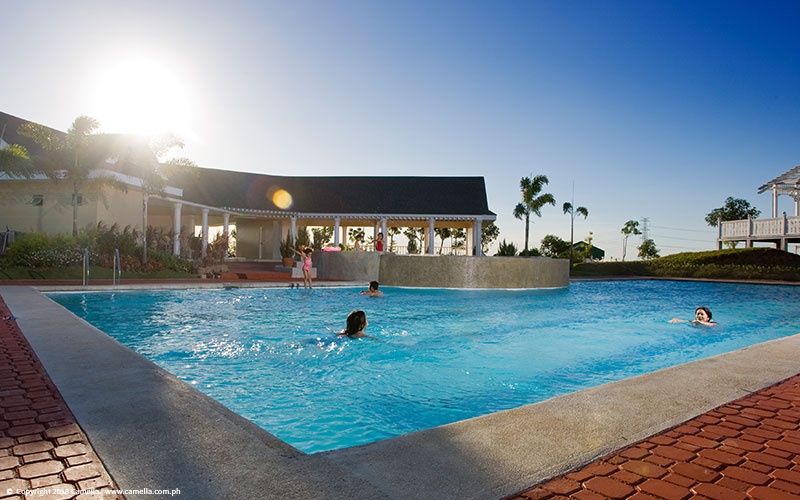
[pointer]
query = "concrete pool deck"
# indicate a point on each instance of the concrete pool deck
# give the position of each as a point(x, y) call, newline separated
point(153, 431)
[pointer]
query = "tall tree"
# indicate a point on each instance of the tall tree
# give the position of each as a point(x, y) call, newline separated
point(630, 227)
point(572, 211)
point(443, 233)
point(489, 233)
point(648, 250)
point(14, 161)
point(734, 209)
point(555, 247)
point(532, 201)
point(146, 157)
point(393, 231)
point(71, 157)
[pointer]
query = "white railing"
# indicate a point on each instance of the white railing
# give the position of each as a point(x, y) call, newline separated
point(793, 225)
point(403, 250)
point(778, 227)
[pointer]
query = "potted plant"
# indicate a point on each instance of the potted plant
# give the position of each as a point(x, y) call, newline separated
point(287, 250)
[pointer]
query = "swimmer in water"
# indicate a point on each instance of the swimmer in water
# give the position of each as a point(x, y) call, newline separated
point(356, 323)
point(702, 316)
point(373, 290)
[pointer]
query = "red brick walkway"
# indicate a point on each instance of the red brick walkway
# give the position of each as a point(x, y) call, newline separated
point(44, 454)
point(749, 448)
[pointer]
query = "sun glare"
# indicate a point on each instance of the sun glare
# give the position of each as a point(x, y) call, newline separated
point(142, 96)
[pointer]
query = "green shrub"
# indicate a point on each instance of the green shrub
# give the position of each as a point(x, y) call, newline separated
point(532, 252)
point(41, 250)
point(738, 264)
point(506, 249)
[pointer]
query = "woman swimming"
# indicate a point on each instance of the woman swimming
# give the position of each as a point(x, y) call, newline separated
point(702, 316)
point(356, 323)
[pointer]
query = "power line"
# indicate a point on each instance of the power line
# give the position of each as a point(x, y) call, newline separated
point(677, 238)
point(683, 229)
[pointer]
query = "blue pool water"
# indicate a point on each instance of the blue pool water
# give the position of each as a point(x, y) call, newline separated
point(442, 355)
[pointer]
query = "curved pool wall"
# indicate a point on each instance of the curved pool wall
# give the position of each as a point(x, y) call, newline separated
point(443, 271)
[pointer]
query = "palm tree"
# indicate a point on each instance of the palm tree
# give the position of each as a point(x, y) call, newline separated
point(145, 157)
point(14, 161)
point(71, 157)
point(532, 202)
point(443, 233)
point(630, 227)
point(568, 209)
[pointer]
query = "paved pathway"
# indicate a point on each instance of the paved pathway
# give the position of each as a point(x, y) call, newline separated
point(44, 454)
point(749, 448)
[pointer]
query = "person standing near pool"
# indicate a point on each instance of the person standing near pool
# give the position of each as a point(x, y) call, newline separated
point(356, 323)
point(305, 252)
point(702, 316)
point(379, 242)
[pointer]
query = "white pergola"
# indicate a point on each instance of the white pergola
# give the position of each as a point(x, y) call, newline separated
point(786, 184)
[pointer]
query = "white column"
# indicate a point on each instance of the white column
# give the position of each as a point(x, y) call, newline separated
point(176, 228)
point(293, 222)
point(430, 236)
point(476, 237)
point(796, 204)
point(204, 236)
point(383, 230)
point(774, 201)
point(226, 223)
point(336, 222)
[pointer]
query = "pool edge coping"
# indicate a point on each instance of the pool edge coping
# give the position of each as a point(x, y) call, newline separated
point(437, 463)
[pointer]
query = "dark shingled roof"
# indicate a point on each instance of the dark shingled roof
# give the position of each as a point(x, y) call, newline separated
point(459, 196)
point(240, 191)
point(9, 125)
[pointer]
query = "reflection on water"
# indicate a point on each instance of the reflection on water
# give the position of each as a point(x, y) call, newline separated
point(273, 356)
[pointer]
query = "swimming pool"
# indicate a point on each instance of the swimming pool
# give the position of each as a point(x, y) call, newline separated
point(442, 355)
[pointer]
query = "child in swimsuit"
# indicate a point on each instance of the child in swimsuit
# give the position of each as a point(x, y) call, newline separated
point(305, 252)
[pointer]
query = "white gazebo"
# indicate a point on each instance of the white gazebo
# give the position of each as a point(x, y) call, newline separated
point(786, 184)
point(779, 230)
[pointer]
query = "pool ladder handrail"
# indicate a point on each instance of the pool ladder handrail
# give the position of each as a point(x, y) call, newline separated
point(85, 266)
point(116, 269)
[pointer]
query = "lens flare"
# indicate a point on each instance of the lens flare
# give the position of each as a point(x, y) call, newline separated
point(282, 199)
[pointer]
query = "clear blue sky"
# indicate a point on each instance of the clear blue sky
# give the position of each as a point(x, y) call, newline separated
point(653, 109)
